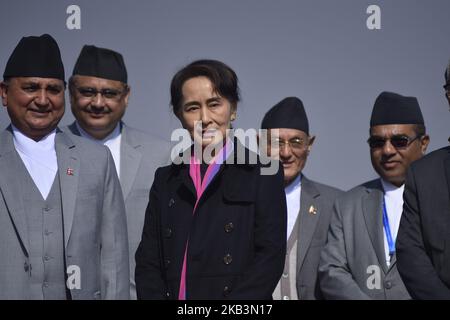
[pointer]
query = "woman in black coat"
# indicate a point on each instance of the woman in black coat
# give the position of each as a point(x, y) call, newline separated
point(214, 231)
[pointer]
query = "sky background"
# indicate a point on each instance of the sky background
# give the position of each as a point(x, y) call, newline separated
point(320, 51)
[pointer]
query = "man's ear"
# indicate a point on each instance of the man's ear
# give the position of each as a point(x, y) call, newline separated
point(127, 96)
point(4, 93)
point(311, 142)
point(424, 141)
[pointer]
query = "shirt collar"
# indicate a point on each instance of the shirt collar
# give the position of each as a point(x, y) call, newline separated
point(28, 145)
point(390, 189)
point(113, 135)
point(294, 185)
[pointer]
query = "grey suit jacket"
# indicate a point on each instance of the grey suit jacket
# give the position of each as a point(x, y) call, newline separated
point(312, 234)
point(353, 262)
point(141, 154)
point(94, 221)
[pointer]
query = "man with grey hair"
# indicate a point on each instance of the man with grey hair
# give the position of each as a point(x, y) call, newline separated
point(423, 251)
point(309, 203)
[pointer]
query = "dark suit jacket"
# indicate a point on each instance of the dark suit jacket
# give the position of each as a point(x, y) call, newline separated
point(237, 237)
point(423, 241)
point(312, 235)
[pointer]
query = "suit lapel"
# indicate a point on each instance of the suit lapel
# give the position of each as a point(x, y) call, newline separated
point(130, 161)
point(10, 188)
point(68, 172)
point(372, 210)
point(308, 220)
point(73, 128)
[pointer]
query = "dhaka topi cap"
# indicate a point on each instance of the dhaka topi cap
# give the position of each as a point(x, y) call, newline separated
point(35, 57)
point(393, 108)
point(100, 63)
point(288, 113)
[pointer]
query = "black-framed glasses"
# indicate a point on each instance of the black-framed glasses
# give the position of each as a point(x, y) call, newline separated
point(397, 141)
point(294, 143)
point(110, 94)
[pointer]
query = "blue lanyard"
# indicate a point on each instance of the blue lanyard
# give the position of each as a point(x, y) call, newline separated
point(387, 230)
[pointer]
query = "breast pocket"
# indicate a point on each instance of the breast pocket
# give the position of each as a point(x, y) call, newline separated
point(140, 193)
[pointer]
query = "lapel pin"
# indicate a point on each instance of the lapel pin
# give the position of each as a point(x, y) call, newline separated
point(69, 172)
point(312, 210)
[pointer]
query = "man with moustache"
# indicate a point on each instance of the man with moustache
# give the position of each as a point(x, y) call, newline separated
point(359, 260)
point(99, 94)
point(309, 203)
point(62, 217)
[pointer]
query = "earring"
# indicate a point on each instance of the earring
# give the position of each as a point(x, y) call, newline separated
point(233, 117)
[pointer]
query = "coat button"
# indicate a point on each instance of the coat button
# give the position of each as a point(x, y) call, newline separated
point(167, 232)
point(226, 291)
point(171, 202)
point(229, 227)
point(26, 267)
point(388, 284)
point(167, 263)
point(227, 259)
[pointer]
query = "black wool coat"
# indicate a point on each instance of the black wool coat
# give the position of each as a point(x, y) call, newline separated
point(237, 236)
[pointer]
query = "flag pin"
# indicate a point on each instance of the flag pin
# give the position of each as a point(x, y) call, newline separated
point(69, 172)
point(312, 210)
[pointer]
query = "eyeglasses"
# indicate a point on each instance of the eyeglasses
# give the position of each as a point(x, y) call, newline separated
point(110, 94)
point(294, 143)
point(397, 141)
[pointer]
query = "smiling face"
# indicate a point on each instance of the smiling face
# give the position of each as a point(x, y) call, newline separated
point(392, 163)
point(292, 148)
point(35, 105)
point(98, 104)
point(202, 103)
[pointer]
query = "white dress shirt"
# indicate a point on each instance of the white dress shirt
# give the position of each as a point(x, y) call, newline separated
point(293, 191)
point(39, 158)
point(112, 141)
point(393, 197)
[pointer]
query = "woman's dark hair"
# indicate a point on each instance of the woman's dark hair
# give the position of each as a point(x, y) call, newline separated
point(223, 78)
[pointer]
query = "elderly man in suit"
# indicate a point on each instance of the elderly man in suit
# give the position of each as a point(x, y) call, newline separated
point(62, 217)
point(99, 94)
point(423, 251)
point(359, 260)
point(309, 203)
